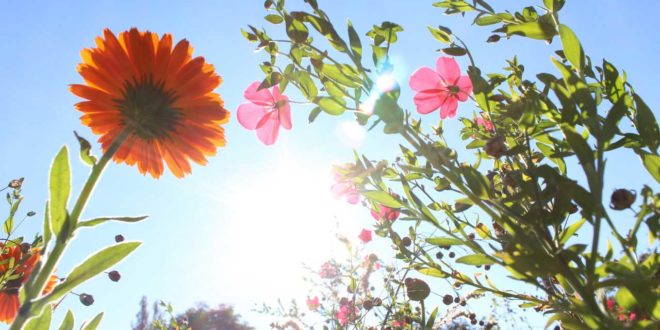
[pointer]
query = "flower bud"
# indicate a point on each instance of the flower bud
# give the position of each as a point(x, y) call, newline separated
point(86, 299)
point(493, 38)
point(377, 301)
point(572, 209)
point(31, 214)
point(114, 276)
point(452, 254)
point(622, 199)
point(470, 237)
point(457, 300)
point(16, 183)
point(495, 147)
point(25, 247)
point(439, 255)
point(119, 238)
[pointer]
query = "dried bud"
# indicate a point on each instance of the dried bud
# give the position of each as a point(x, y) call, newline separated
point(377, 301)
point(487, 267)
point(86, 299)
point(25, 247)
point(493, 38)
point(573, 208)
point(471, 237)
point(473, 315)
point(473, 321)
point(406, 241)
point(368, 304)
point(439, 255)
point(31, 214)
point(463, 302)
point(495, 147)
point(447, 299)
point(622, 199)
point(119, 238)
point(452, 254)
point(457, 300)
point(114, 276)
point(16, 183)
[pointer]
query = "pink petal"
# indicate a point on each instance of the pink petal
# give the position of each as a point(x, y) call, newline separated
point(249, 115)
point(261, 97)
point(448, 69)
point(464, 85)
point(429, 100)
point(338, 189)
point(285, 112)
point(268, 132)
point(448, 108)
point(352, 198)
point(424, 78)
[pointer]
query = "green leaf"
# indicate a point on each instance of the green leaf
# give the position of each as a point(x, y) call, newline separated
point(60, 188)
point(98, 221)
point(440, 35)
point(570, 230)
point(432, 272)
point(431, 321)
point(484, 20)
point(572, 47)
point(93, 266)
point(48, 234)
point(482, 230)
point(455, 51)
point(554, 5)
point(615, 114)
point(444, 241)
point(382, 198)
point(646, 124)
point(626, 299)
point(41, 322)
point(94, 323)
point(313, 114)
point(389, 111)
point(354, 39)
point(8, 225)
point(85, 150)
point(296, 30)
point(651, 162)
point(68, 322)
point(475, 259)
point(542, 29)
point(307, 86)
point(331, 105)
point(275, 19)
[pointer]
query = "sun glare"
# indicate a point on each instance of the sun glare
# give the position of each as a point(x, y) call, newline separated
point(281, 218)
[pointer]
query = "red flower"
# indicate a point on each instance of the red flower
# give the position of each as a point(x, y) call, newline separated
point(385, 213)
point(610, 304)
point(486, 124)
point(313, 303)
point(442, 88)
point(347, 312)
point(365, 236)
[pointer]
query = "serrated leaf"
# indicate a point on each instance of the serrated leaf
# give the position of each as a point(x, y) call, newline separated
point(41, 322)
point(68, 322)
point(98, 221)
point(94, 323)
point(382, 198)
point(477, 259)
point(91, 267)
point(59, 188)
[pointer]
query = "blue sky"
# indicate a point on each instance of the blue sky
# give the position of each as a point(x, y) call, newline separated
point(208, 237)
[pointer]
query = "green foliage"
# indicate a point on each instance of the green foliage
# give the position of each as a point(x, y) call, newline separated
point(60, 189)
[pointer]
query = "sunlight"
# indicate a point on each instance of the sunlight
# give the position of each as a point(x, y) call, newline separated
point(281, 218)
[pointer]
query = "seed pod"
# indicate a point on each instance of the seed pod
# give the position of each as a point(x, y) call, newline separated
point(368, 304)
point(439, 255)
point(406, 241)
point(119, 238)
point(447, 299)
point(377, 301)
point(86, 299)
point(114, 276)
point(452, 254)
point(417, 289)
point(622, 199)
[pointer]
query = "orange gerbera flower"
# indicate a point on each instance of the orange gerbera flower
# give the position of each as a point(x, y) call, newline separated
point(15, 269)
point(156, 97)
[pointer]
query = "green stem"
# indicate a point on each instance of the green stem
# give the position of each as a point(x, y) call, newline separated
point(37, 284)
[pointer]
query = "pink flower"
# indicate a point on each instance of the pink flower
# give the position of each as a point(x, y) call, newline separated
point(442, 88)
point(487, 124)
point(610, 304)
point(632, 316)
point(385, 213)
point(371, 261)
point(365, 236)
point(345, 313)
point(265, 112)
point(328, 270)
point(345, 188)
point(399, 323)
point(313, 303)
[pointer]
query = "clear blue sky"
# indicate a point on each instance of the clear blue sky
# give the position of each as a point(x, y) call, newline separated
point(208, 232)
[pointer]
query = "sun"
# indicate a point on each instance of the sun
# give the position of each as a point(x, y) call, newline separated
point(281, 218)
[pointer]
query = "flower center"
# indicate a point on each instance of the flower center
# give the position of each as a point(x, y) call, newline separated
point(147, 109)
point(279, 104)
point(453, 89)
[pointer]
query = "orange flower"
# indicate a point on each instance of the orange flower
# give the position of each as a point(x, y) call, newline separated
point(15, 269)
point(157, 97)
